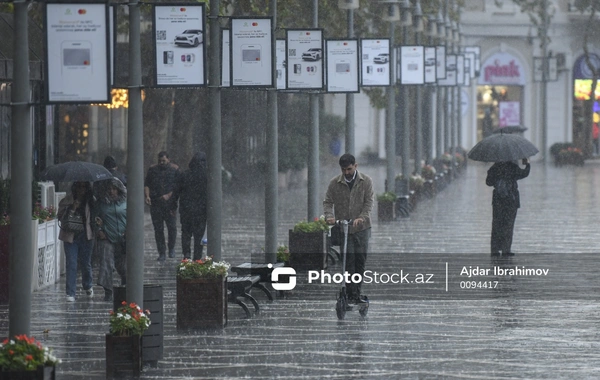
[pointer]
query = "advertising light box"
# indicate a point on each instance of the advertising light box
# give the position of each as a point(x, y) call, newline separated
point(412, 64)
point(225, 49)
point(440, 62)
point(375, 58)
point(450, 79)
point(430, 67)
point(78, 56)
point(180, 45)
point(342, 66)
point(252, 55)
point(304, 59)
point(280, 64)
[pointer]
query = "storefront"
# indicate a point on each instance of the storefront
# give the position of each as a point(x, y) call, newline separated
point(585, 127)
point(500, 93)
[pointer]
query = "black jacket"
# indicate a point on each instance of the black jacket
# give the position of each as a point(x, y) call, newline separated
point(191, 189)
point(511, 172)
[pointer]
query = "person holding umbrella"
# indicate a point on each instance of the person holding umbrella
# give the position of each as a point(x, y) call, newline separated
point(503, 177)
point(74, 216)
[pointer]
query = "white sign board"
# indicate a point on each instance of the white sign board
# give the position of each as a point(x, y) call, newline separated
point(252, 54)
point(375, 57)
point(538, 66)
point(342, 66)
point(440, 62)
point(502, 68)
point(304, 59)
point(468, 66)
point(509, 114)
point(430, 67)
point(280, 64)
point(477, 51)
point(180, 45)
point(460, 70)
point(471, 57)
point(225, 70)
point(77, 62)
point(450, 79)
point(412, 65)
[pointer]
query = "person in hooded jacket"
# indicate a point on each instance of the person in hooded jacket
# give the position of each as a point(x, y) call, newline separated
point(190, 191)
point(505, 203)
point(111, 221)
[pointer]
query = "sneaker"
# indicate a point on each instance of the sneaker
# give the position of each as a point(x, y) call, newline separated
point(171, 253)
point(161, 257)
point(90, 292)
point(70, 299)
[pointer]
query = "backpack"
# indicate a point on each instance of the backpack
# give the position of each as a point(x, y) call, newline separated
point(503, 188)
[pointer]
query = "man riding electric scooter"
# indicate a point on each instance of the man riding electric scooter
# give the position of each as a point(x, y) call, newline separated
point(350, 196)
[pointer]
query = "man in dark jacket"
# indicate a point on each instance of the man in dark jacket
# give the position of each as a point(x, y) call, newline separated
point(505, 203)
point(191, 192)
point(111, 164)
point(158, 190)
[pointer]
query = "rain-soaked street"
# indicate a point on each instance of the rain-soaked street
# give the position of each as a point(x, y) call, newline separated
point(537, 326)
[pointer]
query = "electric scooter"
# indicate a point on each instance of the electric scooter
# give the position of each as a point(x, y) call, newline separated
point(342, 304)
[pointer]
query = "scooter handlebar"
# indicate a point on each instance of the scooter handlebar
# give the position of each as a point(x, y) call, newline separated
point(344, 221)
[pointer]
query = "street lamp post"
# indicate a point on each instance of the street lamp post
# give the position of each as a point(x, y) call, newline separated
point(350, 6)
point(406, 21)
point(429, 94)
point(439, 119)
point(392, 15)
point(418, 29)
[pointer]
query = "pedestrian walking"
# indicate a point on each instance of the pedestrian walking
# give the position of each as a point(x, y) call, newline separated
point(110, 223)
point(74, 216)
point(506, 201)
point(191, 192)
point(111, 164)
point(350, 196)
point(158, 190)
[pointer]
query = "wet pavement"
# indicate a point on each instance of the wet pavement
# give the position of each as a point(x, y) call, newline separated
point(536, 325)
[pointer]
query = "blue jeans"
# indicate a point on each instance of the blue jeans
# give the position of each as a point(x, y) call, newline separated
point(78, 252)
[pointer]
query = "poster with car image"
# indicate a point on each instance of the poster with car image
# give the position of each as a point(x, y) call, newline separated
point(252, 52)
point(304, 59)
point(375, 58)
point(450, 79)
point(430, 67)
point(342, 66)
point(77, 54)
point(412, 65)
point(179, 44)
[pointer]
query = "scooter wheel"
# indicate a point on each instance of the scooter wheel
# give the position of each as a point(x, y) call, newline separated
point(340, 308)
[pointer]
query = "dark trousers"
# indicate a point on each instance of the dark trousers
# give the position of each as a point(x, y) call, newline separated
point(192, 228)
point(503, 223)
point(161, 215)
point(356, 258)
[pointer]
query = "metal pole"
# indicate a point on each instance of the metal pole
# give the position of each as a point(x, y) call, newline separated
point(313, 157)
point(405, 120)
point(21, 244)
point(215, 186)
point(135, 164)
point(544, 92)
point(271, 191)
point(350, 97)
point(419, 119)
point(427, 111)
point(390, 132)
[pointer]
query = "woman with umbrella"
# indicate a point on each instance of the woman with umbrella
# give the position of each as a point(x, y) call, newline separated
point(505, 203)
point(74, 215)
point(111, 220)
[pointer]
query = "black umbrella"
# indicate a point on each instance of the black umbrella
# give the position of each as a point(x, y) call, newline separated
point(73, 171)
point(502, 147)
point(510, 129)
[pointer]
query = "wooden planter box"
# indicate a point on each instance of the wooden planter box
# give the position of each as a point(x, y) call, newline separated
point(308, 250)
point(152, 340)
point(42, 373)
point(201, 303)
point(386, 211)
point(123, 355)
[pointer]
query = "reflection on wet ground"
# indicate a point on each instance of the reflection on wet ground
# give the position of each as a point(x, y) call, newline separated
point(527, 326)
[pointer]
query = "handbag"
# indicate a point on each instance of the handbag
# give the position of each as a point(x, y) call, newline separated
point(72, 221)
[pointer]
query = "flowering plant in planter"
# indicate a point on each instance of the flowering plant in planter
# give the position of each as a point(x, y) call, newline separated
point(43, 214)
point(571, 155)
point(24, 353)
point(205, 269)
point(316, 225)
point(416, 182)
point(283, 254)
point(428, 172)
point(388, 196)
point(128, 320)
